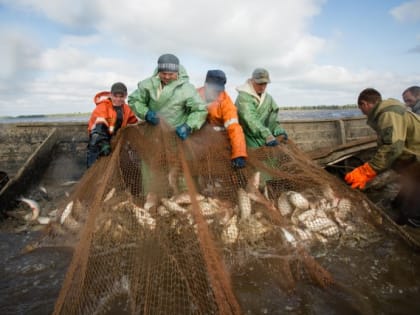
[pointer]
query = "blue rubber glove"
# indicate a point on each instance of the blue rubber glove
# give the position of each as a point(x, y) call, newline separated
point(272, 143)
point(152, 118)
point(238, 162)
point(183, 131)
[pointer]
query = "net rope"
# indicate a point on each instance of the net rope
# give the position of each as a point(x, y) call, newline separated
point(164, 226)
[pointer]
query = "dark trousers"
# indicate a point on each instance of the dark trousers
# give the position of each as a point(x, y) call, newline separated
point(408, 199)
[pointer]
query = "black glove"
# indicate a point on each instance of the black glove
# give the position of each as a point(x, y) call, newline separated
point(152, 118)
point(238, 162)
point(183, 131)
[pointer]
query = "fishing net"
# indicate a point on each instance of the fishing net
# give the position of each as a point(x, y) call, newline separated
point(164, 226)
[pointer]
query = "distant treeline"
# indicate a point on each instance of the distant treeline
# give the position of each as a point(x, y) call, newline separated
point(348, 106)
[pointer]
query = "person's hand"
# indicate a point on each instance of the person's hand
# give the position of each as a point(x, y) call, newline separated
point(152, 118)
point(183, 131)
point(104, 149)
point(270, 141)
point(238, 162)
point(283, 137)
point(358, 177)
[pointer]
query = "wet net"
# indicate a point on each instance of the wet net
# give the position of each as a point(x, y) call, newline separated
point(164, 226)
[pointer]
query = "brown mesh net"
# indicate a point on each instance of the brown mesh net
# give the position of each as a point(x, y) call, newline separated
point(164, 226)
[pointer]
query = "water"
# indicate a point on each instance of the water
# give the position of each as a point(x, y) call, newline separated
point(284, 115)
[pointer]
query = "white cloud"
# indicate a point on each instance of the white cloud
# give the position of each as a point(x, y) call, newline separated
point(123, 44)
point(407, 12)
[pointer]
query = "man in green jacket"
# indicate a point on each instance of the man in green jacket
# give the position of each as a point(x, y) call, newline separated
point(258, 112)
point(398, 132)
point(169, 95)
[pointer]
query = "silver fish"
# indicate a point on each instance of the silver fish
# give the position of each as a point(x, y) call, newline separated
point(66, 212)
point(151, 201)
point(230, 232)
point(110, 194)
point(34, 207)
point(283, 204)
point(144, 218)
point(244, 203)
point(289, 237)
point(298, 200)
point(173, 206)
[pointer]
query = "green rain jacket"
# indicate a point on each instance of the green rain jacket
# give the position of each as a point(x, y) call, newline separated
point(257, 115)
point(398, 133)
point(179, 101)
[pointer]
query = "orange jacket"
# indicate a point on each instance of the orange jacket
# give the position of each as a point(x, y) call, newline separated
point(105, 113)
point(222, 112)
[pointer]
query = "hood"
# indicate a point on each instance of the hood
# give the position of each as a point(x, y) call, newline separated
point(101, 96)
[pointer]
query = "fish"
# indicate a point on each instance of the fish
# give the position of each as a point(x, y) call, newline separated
point(252, 228)
point(69, 183)
point(185, 198)
point(289, 237)
point(173, 206)
point(207, 209)
point(151, 201)
point(254, 181)
point(36, 210)
point(144, 218)
point(44, 220)
point(298, 200)
point(173, 179)
point(110, 194)
point(230, 232)
point(162, 211)
point(66, 212)
point(283, 204)
point(244, 203)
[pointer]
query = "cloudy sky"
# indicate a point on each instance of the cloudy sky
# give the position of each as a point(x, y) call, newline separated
point(56, 54)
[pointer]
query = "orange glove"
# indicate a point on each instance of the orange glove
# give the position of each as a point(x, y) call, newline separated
point(358, 177)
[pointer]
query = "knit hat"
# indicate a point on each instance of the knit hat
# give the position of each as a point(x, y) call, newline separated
point(168, 63)
point(119, 88)
point(216, 79)
point(260, 76)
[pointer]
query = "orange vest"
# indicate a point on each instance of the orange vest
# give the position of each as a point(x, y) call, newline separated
point(222, 112)
point(105, 113)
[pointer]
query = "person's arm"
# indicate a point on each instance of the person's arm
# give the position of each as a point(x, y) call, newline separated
point(274, 121)
point(196, 108)
point(249, 118)
point(392, 135)
point(233, 128)
point(138, 101)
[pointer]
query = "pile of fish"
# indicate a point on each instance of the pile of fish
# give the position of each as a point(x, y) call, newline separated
point(302, 217)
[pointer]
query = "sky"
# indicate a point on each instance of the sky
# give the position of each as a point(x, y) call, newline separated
point(55, 55)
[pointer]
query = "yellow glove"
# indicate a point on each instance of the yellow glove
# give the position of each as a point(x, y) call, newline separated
point(358, 177)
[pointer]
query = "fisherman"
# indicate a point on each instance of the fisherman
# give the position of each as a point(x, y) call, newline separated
point(258, 112)
point(110, 114)
point(411, 97)
point(398, 138)
point(168, 94)
point(223, 114)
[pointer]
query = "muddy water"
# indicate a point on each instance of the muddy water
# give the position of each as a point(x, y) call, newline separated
point(382, 278)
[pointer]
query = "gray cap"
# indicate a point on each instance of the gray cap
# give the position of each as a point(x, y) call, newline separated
point(260, 76)
point(119, 87)
point(168, 63)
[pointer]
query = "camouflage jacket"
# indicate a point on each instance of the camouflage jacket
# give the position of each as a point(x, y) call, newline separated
point(398, 132)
